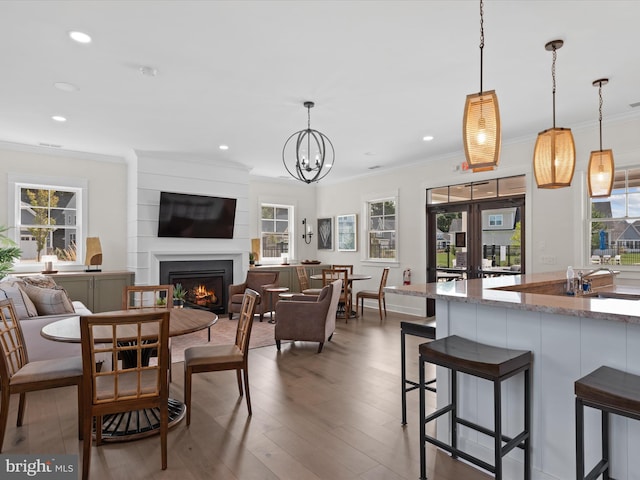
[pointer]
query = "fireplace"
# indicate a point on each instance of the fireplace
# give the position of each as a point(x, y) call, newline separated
point(206, 282)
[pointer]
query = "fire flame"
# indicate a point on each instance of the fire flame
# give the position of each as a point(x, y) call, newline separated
point(204, 296)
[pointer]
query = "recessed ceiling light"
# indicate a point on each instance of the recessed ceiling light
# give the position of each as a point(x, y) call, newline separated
point(80, 37)
point(148, 71)
point(66, 87)
point(224, 147)
point(59, 118)
point(427, 138)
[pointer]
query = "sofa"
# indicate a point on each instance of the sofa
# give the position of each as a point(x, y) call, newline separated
point(39, 301)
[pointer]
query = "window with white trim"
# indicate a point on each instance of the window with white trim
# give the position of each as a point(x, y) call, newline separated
point(47, 221)
point(495, 220)
point(614, 223)
point(275, 231)
point(382, 229)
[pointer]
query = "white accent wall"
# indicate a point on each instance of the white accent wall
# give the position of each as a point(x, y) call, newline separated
point(149, 173)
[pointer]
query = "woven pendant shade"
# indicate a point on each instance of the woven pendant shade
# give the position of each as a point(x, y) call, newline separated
point(554, 158)
point(481, 130)
point(600, 173)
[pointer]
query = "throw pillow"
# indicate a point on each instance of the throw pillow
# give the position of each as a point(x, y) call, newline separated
point(41, 281)
point(21, 301)
point(49, 301)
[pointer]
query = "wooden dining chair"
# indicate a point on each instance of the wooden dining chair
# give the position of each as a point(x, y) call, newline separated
point(303, 280)
point(131, 384)
point(215, 358)
point(329, 276)
point(342, 267)
point(375, 294)
point(135, 297)
point(19, 375)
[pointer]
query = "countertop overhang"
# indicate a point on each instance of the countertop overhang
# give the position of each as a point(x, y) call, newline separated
point(495, 291)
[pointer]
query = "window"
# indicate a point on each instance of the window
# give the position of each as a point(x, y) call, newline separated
point(614, 223)
point(275, 235)
point(495, 220)
point(381, 229)
point(46, 221)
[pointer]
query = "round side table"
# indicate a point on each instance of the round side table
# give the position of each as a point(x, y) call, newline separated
point(271, 291)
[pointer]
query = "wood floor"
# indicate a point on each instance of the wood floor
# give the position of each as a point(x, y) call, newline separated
point(334, 415)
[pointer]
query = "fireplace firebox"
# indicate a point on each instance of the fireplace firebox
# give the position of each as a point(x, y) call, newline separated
point(206, 282)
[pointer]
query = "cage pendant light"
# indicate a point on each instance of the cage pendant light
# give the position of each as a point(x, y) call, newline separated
point(311, 155)
point(554, 156)
point(481, 122)
point(601, 166)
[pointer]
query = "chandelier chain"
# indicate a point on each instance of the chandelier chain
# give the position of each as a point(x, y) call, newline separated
point(600, 114)
point(481, 39)
point(553, 77)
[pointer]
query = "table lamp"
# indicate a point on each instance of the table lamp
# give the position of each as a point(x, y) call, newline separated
point(93, 254)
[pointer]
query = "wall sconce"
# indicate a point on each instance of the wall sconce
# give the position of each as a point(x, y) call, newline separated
point(49, 260)
point(93, 255)
point(307, 232)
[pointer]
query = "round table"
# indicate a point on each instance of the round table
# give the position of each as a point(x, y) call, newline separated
point(352, 277)
point(135, 424)
point(271, 291)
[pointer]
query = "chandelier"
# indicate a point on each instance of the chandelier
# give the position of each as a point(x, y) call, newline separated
point(554, 156)
point(310, 153)
point(601, 166)
point(481, 123)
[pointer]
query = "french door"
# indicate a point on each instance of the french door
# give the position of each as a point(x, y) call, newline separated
point(475, 239)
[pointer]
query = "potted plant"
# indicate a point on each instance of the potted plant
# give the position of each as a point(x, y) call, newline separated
point(9, 252)
point(179, 294)
point(252, 259)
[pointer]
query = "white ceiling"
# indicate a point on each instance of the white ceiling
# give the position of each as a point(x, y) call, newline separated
point(383, 74)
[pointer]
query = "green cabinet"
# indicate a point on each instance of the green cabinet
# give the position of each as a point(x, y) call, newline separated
point(99, 291)
point(289, 278)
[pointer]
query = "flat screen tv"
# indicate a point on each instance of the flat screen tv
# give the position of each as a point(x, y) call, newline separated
point(196, 216)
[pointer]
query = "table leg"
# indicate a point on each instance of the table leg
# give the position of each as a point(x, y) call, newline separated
point(271, 320)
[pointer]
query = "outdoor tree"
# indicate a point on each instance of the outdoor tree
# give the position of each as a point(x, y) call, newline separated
point(42, 200)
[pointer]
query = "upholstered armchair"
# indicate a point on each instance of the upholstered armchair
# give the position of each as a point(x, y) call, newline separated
point(308, 317)
point(256, 280)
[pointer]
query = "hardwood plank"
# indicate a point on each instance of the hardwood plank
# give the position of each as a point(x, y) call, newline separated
point(334, 415)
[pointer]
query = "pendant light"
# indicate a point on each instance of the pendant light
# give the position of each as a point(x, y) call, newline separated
point(554, 156)
point(311, 155)
point(601, 167)
point(481, 122)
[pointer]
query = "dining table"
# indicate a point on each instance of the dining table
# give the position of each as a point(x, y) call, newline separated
point(139, 423)
point(352, 277)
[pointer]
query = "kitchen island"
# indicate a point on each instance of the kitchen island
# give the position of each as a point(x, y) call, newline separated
point(570, 336)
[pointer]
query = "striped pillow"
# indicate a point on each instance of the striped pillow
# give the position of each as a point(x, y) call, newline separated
point(21, 301)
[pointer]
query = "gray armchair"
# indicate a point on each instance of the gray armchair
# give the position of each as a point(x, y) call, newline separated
point(307, 317)
point(257, 280)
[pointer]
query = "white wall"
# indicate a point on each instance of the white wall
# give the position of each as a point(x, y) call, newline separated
point(106, 180)
point(286, 192)
point(153, 172)
point(555, 228)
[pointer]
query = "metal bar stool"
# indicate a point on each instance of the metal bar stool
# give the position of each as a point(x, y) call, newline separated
point(424, 330)
point(484, 361)
point(610, 391)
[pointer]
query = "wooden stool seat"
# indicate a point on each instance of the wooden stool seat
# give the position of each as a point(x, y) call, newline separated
point(495, 364)
point(610, 391)
point(424, 330)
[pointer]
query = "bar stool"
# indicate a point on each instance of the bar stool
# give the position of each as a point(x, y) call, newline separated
point(484, 361)
point(424, 330)
point(610, 391)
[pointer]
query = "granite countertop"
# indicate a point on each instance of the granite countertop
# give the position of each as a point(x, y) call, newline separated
point(490, 291)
